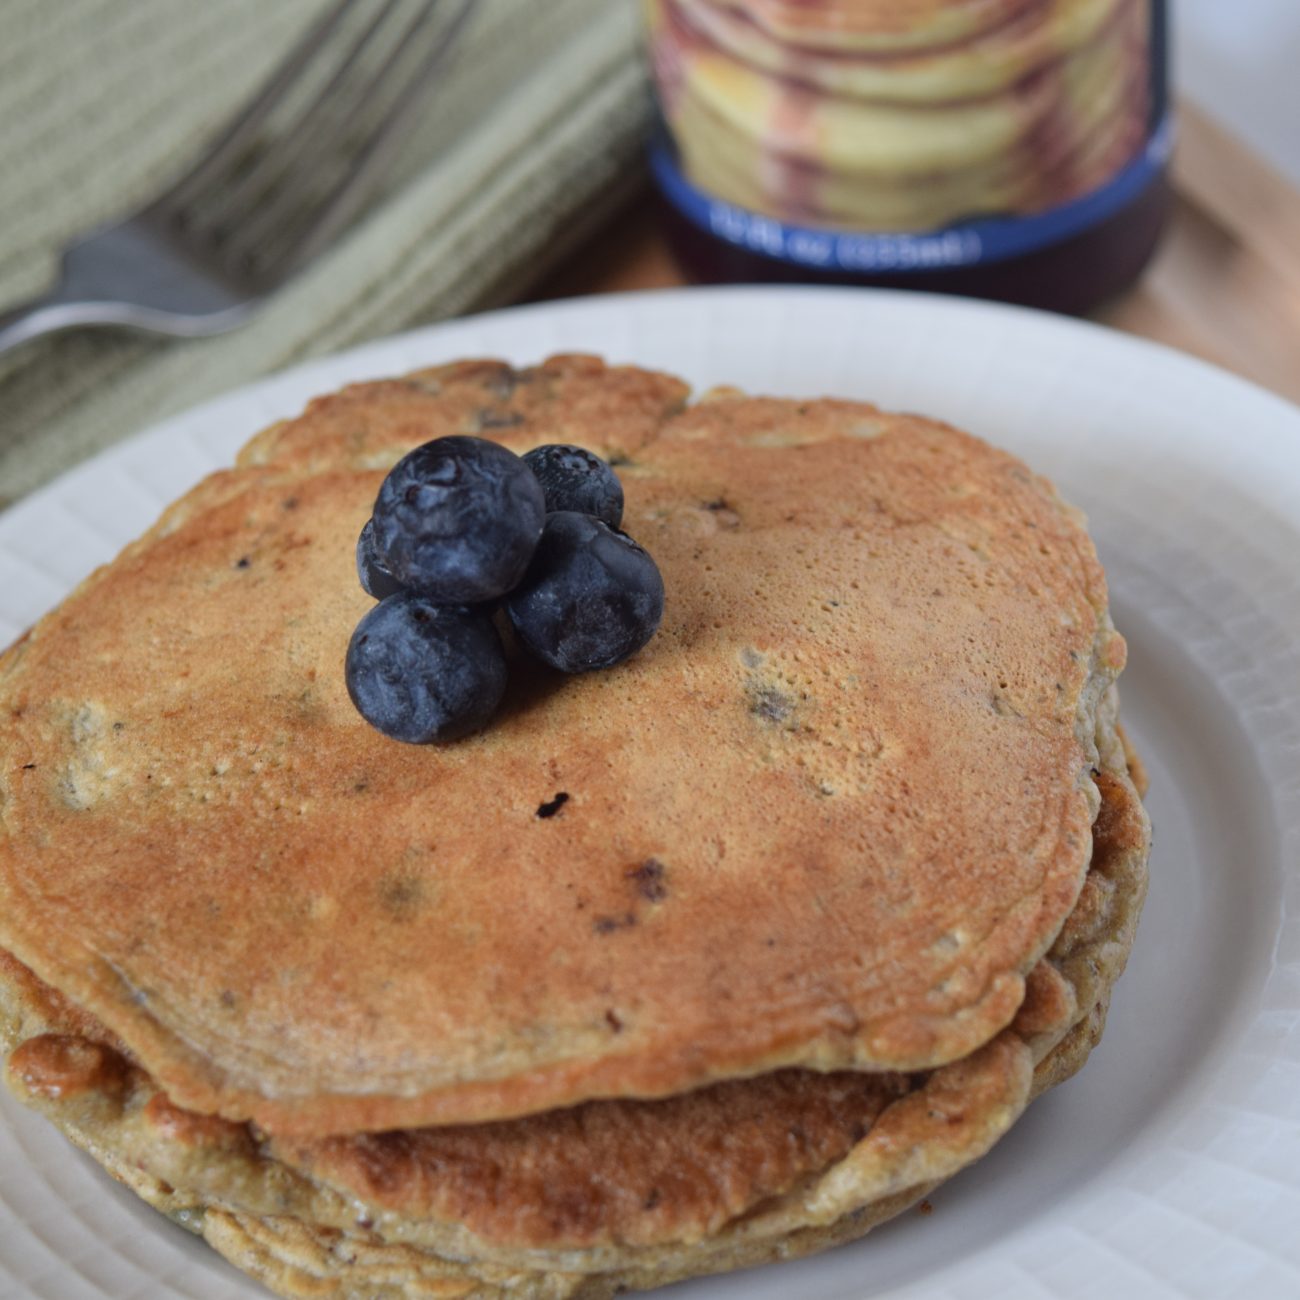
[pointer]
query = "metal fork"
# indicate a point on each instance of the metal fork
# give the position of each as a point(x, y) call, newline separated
point(201, 257)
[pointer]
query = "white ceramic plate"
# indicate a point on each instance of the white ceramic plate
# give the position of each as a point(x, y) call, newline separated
point(1171, 1165)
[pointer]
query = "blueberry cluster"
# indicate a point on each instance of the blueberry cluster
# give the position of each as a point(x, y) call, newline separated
point(462, 527)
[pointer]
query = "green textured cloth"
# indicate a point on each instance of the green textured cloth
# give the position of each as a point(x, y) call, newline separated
point(527, 140)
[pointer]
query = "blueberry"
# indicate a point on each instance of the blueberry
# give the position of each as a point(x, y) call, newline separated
point(590, 598)
point(574, 478)
point(422, 672)
point(458, 519)
point(376, 581)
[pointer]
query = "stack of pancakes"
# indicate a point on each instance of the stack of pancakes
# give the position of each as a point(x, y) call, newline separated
point(847, 862)
point(898, 115)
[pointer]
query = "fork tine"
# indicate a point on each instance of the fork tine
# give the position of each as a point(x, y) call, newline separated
point(279, 156)
point(293, 246)
point(241, 130)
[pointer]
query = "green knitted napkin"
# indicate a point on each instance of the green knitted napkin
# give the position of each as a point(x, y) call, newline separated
point(530, 137)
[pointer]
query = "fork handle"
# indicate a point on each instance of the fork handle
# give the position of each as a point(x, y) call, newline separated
point(49, 314)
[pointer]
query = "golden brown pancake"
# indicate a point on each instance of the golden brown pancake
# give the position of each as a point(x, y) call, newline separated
point(850, 860)
point(638, 1191)
point(830, 818)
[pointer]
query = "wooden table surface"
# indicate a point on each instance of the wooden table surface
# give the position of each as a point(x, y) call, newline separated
point(1224, 284)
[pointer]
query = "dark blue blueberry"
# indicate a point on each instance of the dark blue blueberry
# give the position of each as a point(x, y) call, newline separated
point(376, 581)
point(590, 597)
point(423, 672)
point(574, 478)
point(458, 519)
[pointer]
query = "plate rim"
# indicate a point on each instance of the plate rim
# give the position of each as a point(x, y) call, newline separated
point(1095, 333)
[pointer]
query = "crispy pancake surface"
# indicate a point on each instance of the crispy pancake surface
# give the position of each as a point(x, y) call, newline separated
point(577, 1202)
point(883, 652)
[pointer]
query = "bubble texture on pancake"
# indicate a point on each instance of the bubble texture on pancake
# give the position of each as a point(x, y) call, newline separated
point(883, 652)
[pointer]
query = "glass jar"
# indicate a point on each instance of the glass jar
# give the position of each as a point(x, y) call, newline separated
point(1009, 149)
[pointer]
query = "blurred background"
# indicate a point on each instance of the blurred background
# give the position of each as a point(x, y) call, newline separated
point(523, 176)
point(1239, 61)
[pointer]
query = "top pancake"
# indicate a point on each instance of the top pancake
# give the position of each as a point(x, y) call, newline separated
point(829, 817)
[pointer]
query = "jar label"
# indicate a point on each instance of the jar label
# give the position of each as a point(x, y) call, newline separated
point(961, 136)
point(984, 240)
